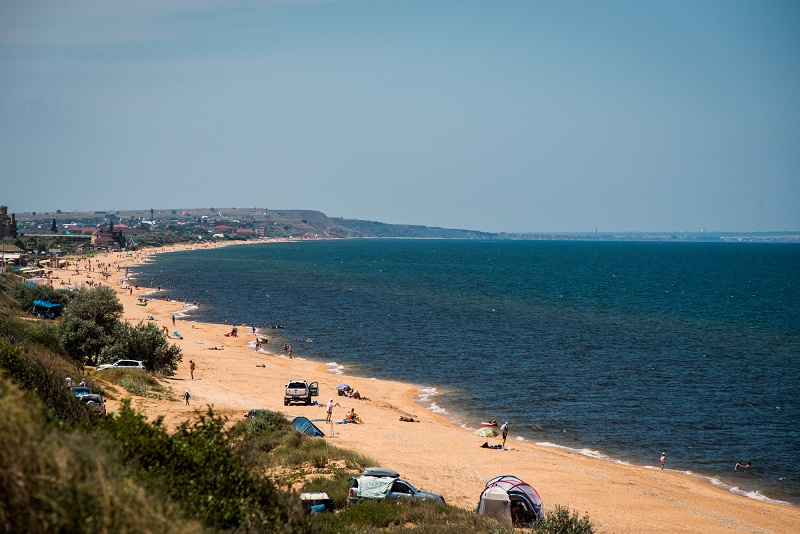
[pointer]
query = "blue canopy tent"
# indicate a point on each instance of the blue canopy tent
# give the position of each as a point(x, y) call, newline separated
point(302, 424)
point(46, 308)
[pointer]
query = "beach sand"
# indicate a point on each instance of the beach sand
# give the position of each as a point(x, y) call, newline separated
point(433, 454)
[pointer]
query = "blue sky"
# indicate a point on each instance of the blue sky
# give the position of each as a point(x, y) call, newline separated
point(518, 116)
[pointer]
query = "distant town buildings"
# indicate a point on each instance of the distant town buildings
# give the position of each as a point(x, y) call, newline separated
point(8, 224)
point(112, 238)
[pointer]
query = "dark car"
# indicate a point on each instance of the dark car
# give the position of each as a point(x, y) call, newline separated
point(385, 484)
point(94, 403)
point(80, 391)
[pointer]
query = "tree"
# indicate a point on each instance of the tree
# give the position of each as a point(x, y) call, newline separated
point(81, 338)
point(143, 342)
point(99, 305)
point(54, 226)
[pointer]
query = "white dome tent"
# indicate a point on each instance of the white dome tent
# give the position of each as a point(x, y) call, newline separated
point(510, 500)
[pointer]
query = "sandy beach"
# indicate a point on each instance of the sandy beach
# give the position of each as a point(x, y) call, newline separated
point(433, 454)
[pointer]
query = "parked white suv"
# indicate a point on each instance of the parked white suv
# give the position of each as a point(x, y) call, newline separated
point(122, 364)
point(300, 391)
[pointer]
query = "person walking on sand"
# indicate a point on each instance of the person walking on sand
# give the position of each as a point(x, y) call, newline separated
point(329, 410)
point(663, 459)
point(173, 320)
point(504, 431)
point(191, 368)
point(187, 397)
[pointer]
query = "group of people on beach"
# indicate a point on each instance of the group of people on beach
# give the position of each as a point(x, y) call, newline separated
point(351, 417)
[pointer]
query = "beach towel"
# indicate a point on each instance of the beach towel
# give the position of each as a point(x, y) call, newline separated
point(374, 487)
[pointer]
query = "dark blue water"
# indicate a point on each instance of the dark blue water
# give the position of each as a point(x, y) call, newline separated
point(620, 350)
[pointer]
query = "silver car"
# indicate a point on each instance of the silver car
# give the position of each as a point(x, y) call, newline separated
point(122, 364)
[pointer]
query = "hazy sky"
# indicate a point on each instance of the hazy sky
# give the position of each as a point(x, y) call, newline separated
point(489, 115)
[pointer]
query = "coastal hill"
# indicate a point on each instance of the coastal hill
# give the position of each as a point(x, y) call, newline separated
point(242, 223)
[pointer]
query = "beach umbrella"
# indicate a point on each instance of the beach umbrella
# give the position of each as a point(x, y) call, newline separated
point(343, 387)
point(486, 432)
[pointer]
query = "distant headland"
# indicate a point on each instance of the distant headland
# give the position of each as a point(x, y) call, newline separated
point(164, 226)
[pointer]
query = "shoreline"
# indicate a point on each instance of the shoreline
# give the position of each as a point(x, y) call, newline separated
point(618, 496)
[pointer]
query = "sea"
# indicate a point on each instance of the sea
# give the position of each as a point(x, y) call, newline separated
point(616, 350)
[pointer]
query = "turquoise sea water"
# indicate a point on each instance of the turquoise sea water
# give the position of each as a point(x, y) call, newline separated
point(619, 350)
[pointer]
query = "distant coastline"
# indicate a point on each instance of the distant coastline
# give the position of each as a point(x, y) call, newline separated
point(247, 223)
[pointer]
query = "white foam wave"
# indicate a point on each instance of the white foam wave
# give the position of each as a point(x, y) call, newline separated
point(425, 394)
point(180, 314)
point(435, 408)
point(750, 494)
point(592, 453)
point(335, 368)
point(519, 438)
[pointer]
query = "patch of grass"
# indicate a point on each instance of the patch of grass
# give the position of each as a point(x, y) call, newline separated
point(138, 383)
point(425, 517)
point(270, 442)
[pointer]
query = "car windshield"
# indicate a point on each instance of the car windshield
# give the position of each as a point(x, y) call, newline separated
point(80, 392)
point(296, 385)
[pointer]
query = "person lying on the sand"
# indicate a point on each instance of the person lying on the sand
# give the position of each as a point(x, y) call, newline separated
point(408, 419)
point(487, 446)
point(216, 348)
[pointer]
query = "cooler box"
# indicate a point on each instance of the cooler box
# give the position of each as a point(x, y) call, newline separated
point(316, 502)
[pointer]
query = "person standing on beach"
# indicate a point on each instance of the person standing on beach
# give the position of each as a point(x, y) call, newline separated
point(187, 397)
point(329, 410)
point(504, 431)
point(663, 459)
point(191, 368)
point(173, 320)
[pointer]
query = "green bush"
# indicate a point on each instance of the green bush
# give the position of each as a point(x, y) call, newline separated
point(25, 295)
point(196, 467)
point(81, 338)
point(266, 421)
point(560, 520)
point(99, 305)
point(143, 342)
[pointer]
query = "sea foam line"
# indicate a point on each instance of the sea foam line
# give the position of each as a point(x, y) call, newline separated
point(752, 494)
point(335, 368)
